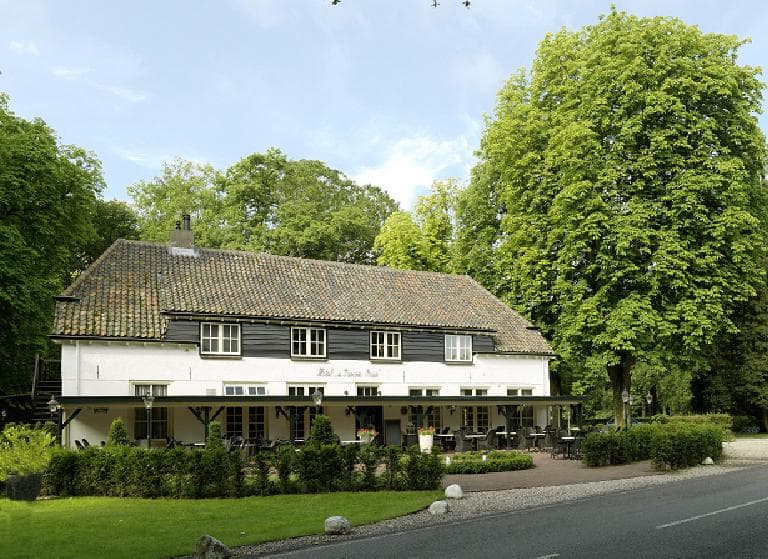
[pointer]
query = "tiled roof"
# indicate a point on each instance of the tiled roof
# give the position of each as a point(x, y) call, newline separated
point(129, 290)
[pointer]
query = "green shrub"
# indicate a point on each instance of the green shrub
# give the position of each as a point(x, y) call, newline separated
point(423, 471)
point(214, 439)
point(496, 461)
point(745, 424)
point(682, 445)
point(24, 450)
point(118, 434)
point(369, 459)
point(722, 420)
point(284, 466)
point(348, 461)
point(392, 477)
point(61, 476)
point(261, 470)
point(318, 467)
point(321, 432)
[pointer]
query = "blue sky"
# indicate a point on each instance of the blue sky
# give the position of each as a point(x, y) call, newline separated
point(391, 92)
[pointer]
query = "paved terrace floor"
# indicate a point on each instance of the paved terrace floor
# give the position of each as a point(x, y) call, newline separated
point(548, 471)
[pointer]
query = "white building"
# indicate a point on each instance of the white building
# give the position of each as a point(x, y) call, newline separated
point(246, 338)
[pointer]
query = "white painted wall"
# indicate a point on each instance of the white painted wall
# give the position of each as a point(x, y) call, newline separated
point(111, 369)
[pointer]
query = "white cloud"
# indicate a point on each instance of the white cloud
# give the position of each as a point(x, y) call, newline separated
point(132, 95)
point(413, 163)
point(155, 161)
point(123, 93)
point(69, 73)
point(20, 47)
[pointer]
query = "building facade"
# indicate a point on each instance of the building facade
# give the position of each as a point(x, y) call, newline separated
point(247, 339)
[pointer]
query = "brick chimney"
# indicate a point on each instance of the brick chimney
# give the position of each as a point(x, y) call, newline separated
point(182, 236)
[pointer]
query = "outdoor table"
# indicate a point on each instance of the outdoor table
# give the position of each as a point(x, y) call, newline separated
point(538, 437)
point(346, 443)
point(474, 439)
point(567, 441)
point(503, 435)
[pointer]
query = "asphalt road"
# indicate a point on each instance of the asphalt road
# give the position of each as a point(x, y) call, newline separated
point(715, 516)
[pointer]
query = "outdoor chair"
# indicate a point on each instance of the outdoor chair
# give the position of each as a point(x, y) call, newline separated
point(79, 445)
point(462, 443)
point(489, 442)
point(558, 448)
point(86, 444)
point(530, 440)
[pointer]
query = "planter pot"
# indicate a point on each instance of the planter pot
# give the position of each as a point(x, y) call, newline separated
point(425, 443)
point(23, 487)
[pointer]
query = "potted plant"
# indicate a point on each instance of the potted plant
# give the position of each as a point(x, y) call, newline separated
point(366, 435)
point(24, 454)
point(426, 438)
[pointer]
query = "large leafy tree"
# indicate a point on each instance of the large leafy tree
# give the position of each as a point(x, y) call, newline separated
point(112, 219)
point(183, 187)
point(422, 239)
point(266, 202)
point(629, 165)
point(48, 193)
point(301, 208)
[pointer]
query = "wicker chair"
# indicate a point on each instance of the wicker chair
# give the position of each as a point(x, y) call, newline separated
point(489, 442)
point(462, 443)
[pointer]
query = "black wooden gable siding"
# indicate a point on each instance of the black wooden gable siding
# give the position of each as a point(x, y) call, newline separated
point(183, 331)
point(483, 344)
point(268, 340)
point(265, 340)
point(348, 344)
point(422, 346)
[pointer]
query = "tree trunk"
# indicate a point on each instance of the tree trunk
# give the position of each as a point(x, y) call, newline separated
point(621, 375)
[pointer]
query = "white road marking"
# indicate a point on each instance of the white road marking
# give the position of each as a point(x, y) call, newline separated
point(548, 556)
point(713, 513)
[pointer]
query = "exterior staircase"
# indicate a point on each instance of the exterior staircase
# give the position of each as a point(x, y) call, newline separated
point(47, 383)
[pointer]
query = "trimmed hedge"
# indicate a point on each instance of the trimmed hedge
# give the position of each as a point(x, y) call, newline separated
point(496, 461)
point(127, 471)
point(672, 445)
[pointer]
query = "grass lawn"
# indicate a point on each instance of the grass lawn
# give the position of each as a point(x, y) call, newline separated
point(113, 528)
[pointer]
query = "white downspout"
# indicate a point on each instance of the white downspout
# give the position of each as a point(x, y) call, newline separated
point(77, 367)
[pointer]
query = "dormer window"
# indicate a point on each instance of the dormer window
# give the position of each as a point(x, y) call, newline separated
point(385, 345)
point(308, 342)
point(458, 348)
point(219, 338)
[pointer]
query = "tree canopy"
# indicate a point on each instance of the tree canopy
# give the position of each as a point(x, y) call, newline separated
point(627, 168)
point(48, 193)
point(422, 239)
point(267, 202)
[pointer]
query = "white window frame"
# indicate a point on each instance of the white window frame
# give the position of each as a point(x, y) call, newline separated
point(384, 347)
point(220, 338)
point(157, 389)
point(308, 343)
point(456, 351)
point(244, 389)
point(372, 389)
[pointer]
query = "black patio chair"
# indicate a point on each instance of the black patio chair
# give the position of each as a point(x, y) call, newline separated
point(79, 445)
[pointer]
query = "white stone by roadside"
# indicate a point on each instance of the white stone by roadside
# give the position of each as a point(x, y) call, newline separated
point(736, 454)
